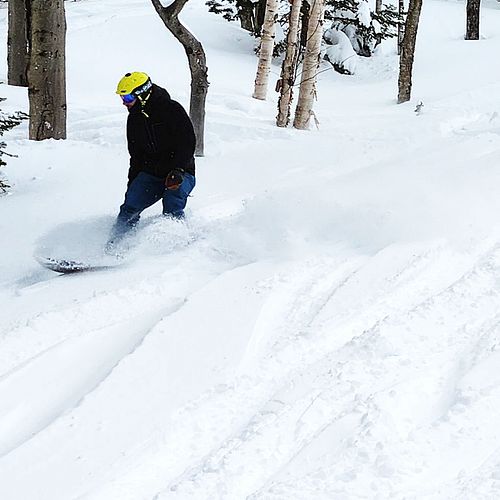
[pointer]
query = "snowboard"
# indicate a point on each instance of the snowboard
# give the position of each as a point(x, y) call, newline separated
point(63, 266)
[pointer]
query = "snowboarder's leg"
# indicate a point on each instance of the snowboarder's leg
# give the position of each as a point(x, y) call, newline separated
point(174, 201)
point(143, 191)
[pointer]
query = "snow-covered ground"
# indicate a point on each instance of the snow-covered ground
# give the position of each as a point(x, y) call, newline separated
point(326, 325)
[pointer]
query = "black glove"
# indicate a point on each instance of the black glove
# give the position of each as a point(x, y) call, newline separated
point(174, 179)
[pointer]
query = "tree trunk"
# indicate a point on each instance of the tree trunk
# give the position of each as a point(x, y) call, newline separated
point(473, 11)
point(310, 66)
point(378, 6)
point(251, 15)
point(197, 66)
point(306, 10)
point(401, 29)
point(289, 66)
point(266, 50)
point(260, 14)
point(246, 13)
point(18, 42)
point(408, 51)
point(47, 72)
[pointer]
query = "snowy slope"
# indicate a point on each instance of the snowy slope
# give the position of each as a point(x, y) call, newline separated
point(326, 323)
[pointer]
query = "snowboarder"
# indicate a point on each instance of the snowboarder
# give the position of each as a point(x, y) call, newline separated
point(161, 144)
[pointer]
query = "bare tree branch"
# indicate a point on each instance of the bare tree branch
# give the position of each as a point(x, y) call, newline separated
point(197, 65)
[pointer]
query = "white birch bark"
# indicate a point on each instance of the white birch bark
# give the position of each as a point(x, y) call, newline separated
point(310, 66)
point(289, 65)
point(266, 50)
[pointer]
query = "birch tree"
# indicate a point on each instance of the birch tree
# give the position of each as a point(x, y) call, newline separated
point(197, 66)
point(472, 26)
point(18, 42)
point(47, 71)
point(408, 51)
point(310, 66)
point(288, 68)
point(266, 50)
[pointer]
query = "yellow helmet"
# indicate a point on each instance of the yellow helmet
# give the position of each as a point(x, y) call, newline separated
point(135, 83)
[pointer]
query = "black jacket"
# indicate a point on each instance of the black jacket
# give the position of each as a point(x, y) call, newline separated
point(160, 136)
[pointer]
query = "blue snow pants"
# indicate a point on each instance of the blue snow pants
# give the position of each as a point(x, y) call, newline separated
point(144, 191)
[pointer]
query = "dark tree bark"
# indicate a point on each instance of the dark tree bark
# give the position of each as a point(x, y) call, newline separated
point(47, 70)
point(18, 42)
point(408, 51)
point(473, 11)
point(260, 13)
point(197, 65)
point(246, 13)
point(305, 11)
point(378, 6)
point(251, 15)
point(401, 28)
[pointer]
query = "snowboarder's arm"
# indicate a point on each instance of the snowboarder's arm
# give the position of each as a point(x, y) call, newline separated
point(185, 140)
point(136, 155)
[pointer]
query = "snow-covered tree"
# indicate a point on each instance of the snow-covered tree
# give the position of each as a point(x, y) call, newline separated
point(364, 28)
point(339, 52)
point(7, 122)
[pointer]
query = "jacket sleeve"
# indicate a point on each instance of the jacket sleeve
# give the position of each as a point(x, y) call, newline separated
point(135, 152)
point(184, 140)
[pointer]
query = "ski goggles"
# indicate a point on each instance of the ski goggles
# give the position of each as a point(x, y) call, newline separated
point(128, 98)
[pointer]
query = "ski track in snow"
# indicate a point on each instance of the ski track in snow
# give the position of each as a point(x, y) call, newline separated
point(334, 397)
point(313, 386)
point(316, 350)
point(99, 350)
